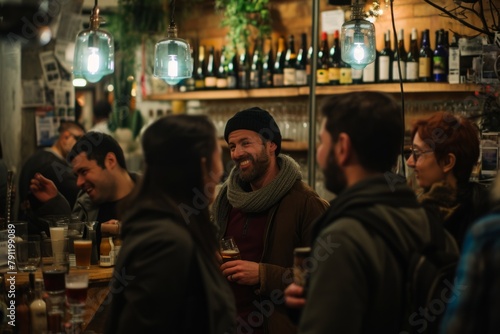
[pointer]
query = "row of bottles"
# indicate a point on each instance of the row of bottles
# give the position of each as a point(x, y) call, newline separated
point(230, 69)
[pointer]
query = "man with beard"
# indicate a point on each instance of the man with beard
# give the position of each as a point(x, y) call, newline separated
point(267, 208)
point(356, 284)
point(98, 162)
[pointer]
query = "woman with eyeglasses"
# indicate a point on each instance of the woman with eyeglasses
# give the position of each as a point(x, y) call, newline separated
point(444, 151)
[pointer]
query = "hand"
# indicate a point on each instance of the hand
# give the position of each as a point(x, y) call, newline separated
point(294, 296)
point(241, 272)
point(111, 227)
point(42, 188)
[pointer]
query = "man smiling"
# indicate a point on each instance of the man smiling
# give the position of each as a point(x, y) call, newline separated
point(268, 210)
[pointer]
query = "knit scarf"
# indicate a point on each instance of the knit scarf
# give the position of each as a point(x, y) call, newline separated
point(233, 194)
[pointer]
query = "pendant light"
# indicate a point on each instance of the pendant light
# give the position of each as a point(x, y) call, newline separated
point(173, 60)
point(358, 39)
point(94, 51)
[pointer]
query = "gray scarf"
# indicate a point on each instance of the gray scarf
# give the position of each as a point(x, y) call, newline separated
point(232, 194)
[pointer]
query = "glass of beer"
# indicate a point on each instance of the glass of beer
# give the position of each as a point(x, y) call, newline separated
point(83, 253)
point(77, 285)
point(300, 265)
point(229, 250)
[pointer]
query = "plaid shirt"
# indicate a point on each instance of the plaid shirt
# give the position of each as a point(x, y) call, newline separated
point(476, 308)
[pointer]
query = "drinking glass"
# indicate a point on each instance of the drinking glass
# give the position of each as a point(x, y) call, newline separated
point(28, 255)
point(21, 230)
point(229, 250)
point(55, 264)
point(83, 253)
point(77, 285)
point(300, 267)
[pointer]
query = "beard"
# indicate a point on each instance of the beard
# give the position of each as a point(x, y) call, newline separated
point(260, 165)
point(335, 180)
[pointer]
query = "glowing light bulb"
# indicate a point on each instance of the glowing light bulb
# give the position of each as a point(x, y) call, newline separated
point(93, 60)
point(173, 66)
point(359, 52)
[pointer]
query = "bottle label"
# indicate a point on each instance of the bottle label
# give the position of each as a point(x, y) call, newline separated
point(231, 82)
point(221, 83)
point(105, 261)
point(289, 76)
point(412, 71)
point(322, 77)
point(199, 84)
point(439, 65)
point(395, 70)
point(369, 73)
point(277, 80)
point(334, 75)
point(383, 65)
point(345, 76)
point(301, 77)
point(424, 67)
point(210, 82)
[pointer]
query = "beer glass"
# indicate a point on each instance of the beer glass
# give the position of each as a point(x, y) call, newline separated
point(228, 249)
point(28, 255)
point(76, 285)
point(83, 252)
point(300, 268)
point(55, 264)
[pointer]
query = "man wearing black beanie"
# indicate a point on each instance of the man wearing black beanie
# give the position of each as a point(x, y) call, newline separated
point(267, 208)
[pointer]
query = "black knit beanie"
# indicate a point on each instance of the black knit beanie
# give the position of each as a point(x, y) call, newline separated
point(258, 120)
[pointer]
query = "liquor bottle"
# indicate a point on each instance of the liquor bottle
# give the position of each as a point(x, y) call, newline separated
point(323, 61)
point(256, 67)
point(440, 59)
point(345, 73)
point(335, 59)
point(279, 64)
point(308, 66)
point(267, 64)
point(385, 59)
point(399, 59)
point(221, 82)
point(244, 70)
point(290, 70)
point(412, 59)
point(232, 71)
point(425, 58)
point(38, 310)
point(199, 80)
point(301, 68)
point(454, 61)
point(211, 75)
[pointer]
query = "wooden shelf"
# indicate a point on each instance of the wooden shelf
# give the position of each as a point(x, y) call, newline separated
point(286, 145)
point(414, 87)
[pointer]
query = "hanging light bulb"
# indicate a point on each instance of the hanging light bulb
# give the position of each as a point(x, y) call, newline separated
point(94, 51)
point(173, 60)
point(358, 39)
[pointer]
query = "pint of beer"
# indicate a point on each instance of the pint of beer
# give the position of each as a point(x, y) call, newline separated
point(228, 249)
point(83, 252)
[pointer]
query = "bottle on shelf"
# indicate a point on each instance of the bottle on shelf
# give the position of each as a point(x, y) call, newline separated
point(244, 69)
point(335, 59)
point(232, 71)
point(211, 75)
point(289, 71)
point(308, 66)
point(370, 71)
point(412, 59)
point(221, 82)
point(268, 64)
point(399, 58)
point(256, 67)
point(346, 73)
point(454, 61)
point(440, 59)
point(425, 58)
point(38, 309)
point(279, 64)
point(385, 60)
point(301, 68)
point(199, 80)
point(322, 77)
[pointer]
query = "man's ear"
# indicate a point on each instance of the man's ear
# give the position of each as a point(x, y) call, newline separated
point(343, 148)
point(110, 161)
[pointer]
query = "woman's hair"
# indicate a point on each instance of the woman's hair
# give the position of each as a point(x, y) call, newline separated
point(174, 147)
point(445, 133)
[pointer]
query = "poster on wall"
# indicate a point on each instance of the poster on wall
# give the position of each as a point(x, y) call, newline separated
point(489, 154)
point(33, 93)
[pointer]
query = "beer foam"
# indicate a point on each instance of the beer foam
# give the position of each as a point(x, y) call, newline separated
point(77, 285)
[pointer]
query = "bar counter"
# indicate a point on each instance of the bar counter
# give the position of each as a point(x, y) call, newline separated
point(99, 278)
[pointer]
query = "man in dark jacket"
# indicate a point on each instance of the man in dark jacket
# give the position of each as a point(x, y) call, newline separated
point(356, 282)
point(269, 210)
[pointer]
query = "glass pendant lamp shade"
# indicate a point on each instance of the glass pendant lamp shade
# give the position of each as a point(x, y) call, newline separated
point(358, 39)
point(173, 60)
point(94, 51)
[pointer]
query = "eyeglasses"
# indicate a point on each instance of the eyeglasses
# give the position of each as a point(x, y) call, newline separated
point(417, 153)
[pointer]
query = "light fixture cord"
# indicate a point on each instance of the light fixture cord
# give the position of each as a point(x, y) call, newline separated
point(172, 10)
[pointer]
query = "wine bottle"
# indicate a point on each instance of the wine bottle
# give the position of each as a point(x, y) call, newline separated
point(279, 63)
point(308, 66)
point(440, 59)
point(232, 71)
point(399, 59)
point(244, 70)
point(301, 68)
point(335, 59)
point(222, 71)
point(412, 59)
point(425, 58)
point(290, 70)
point(268, 64)
point(323, 61)
point(454, 61)
point(385, 60)
point(345, 73)
point(211, 76)
point(199, 80)
point(256, 67)
point(369, 72)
